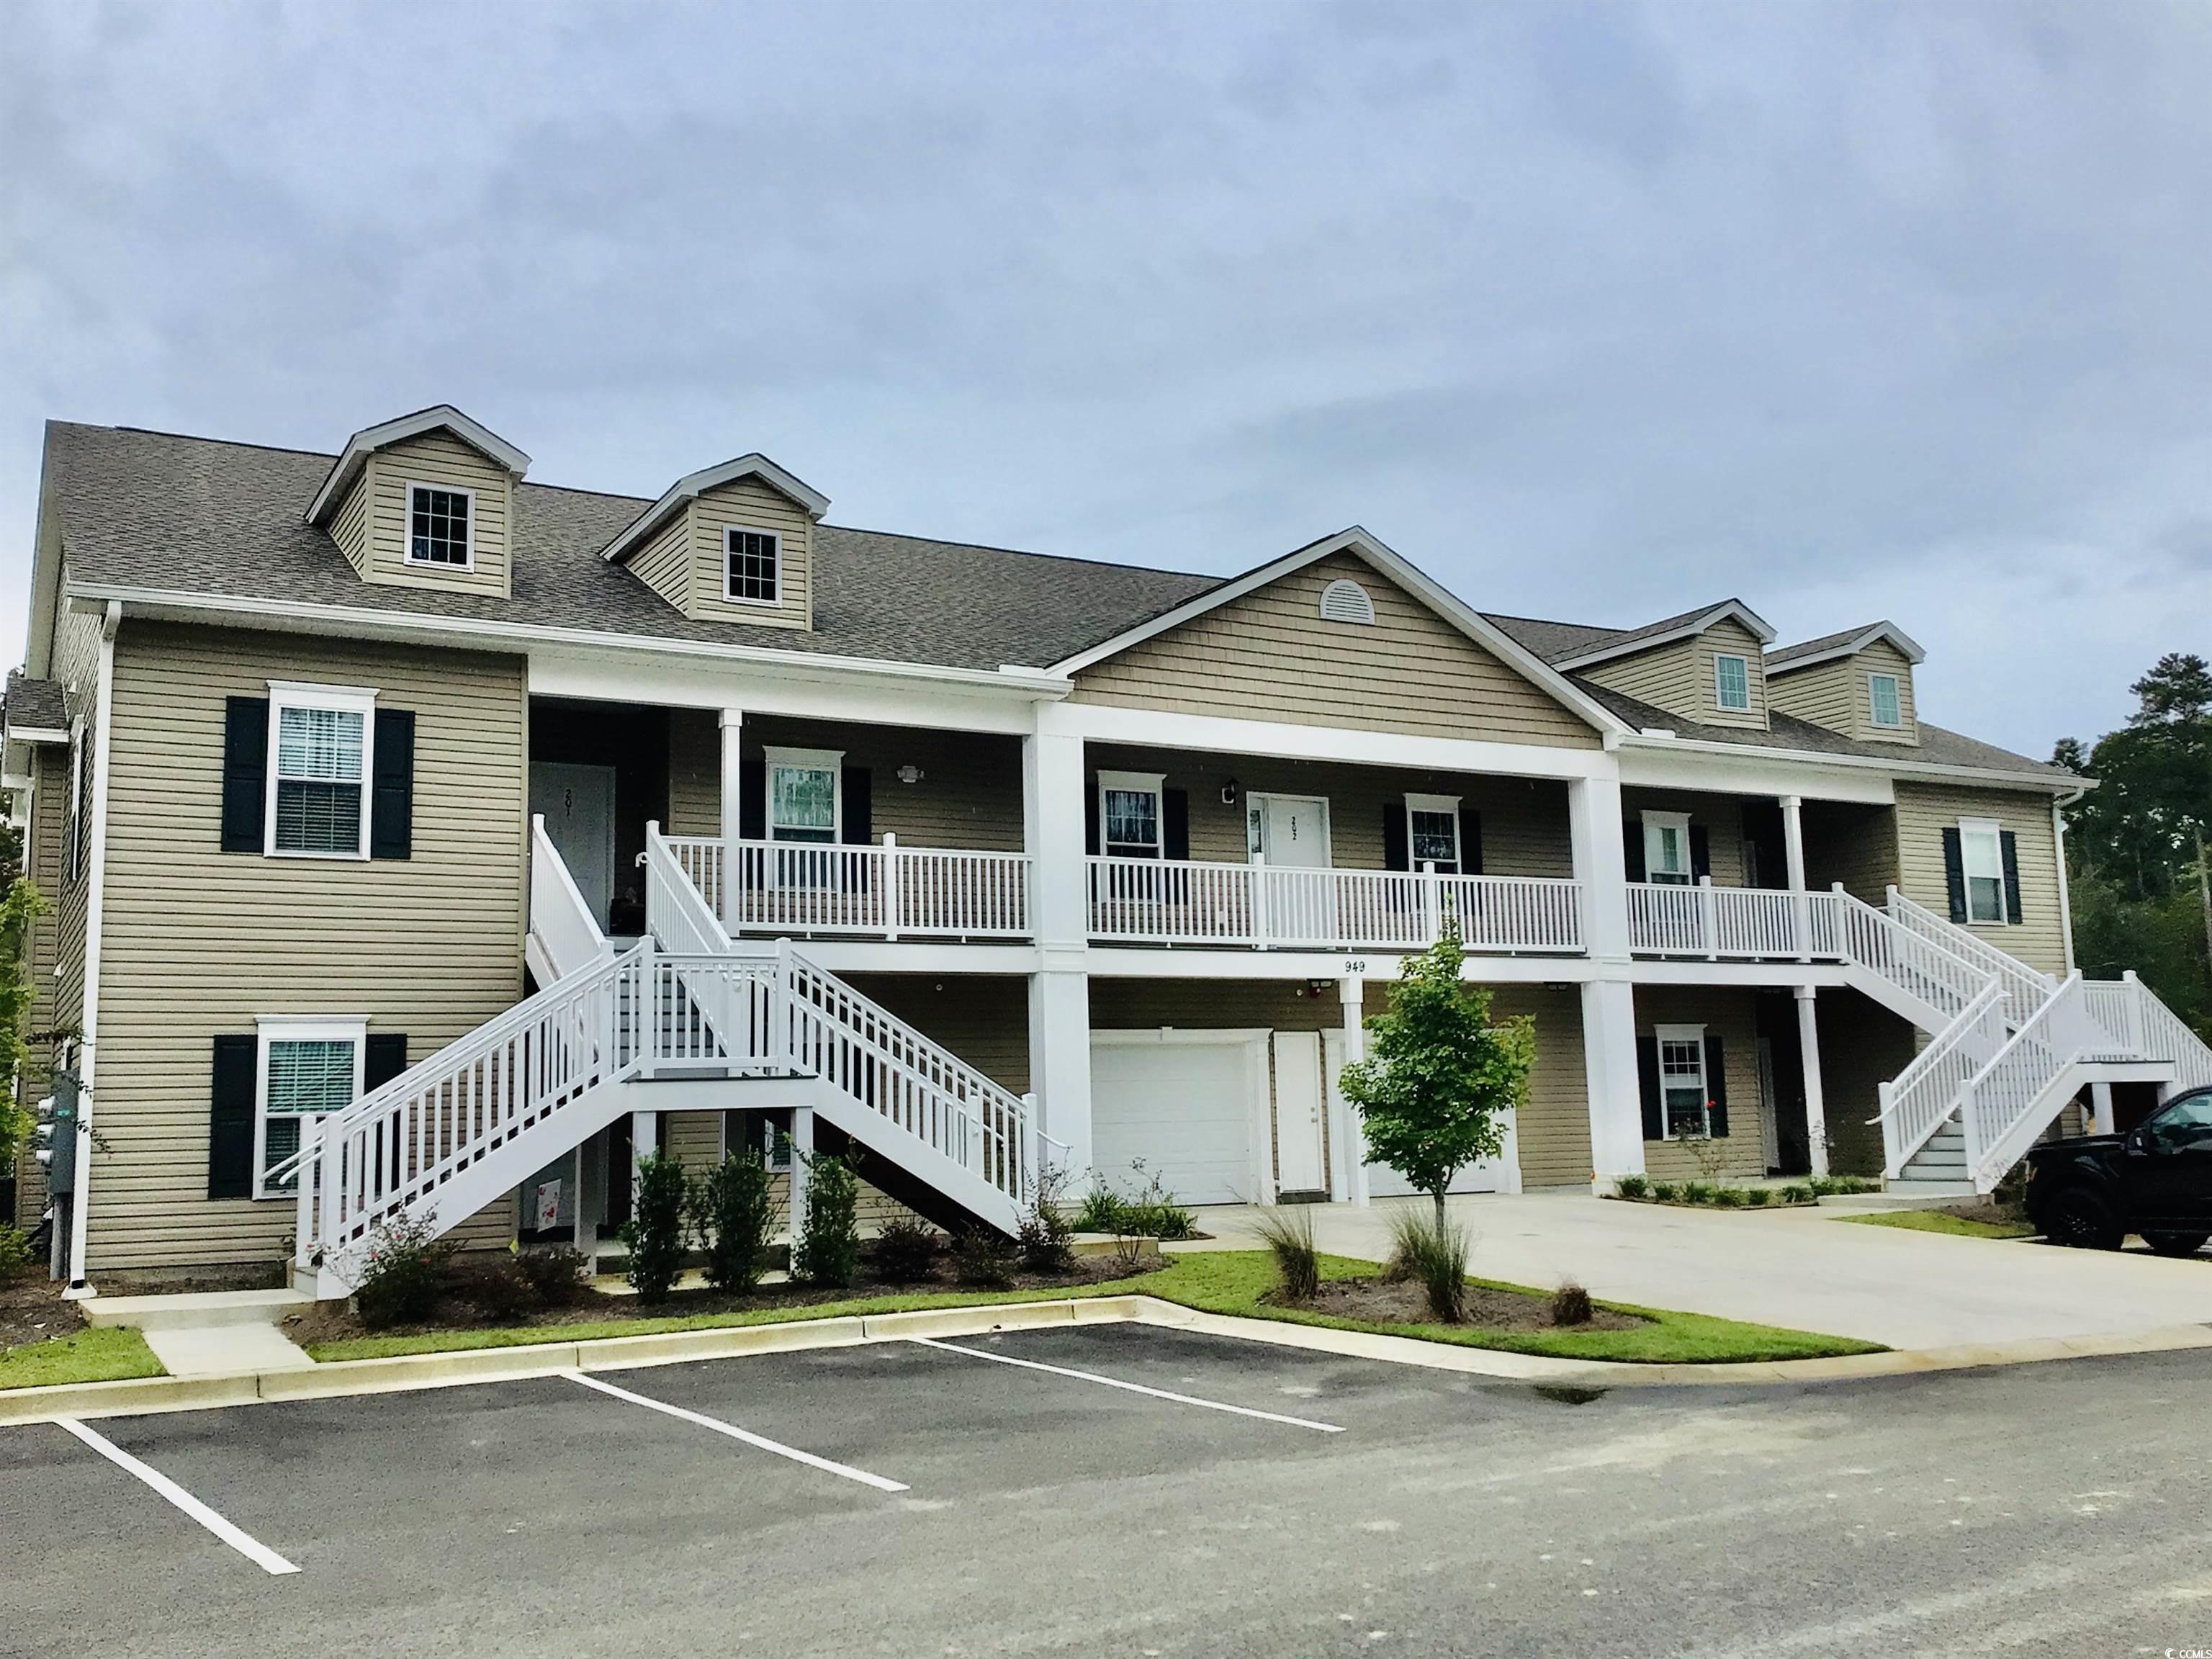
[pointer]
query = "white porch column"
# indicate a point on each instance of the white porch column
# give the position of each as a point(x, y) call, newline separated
point(2101, 1122)
point(1616, 1107)
point(1594, 828)
point(1793, 855)
point(1060, 1064)
point(644, 1139)
point(1060, 993)
point(1808, 1054)
point(1349, 1137)
point(734, 727)
point(802, 1148)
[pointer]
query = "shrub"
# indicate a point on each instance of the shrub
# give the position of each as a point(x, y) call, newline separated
point(1571, 1304)
point(828, 1248)
point(1729, 1198)
point(557, 1276)
point(15, 1250)
point(654, 1231)
point(905, 1251)
point(1153, 1213)
point(1633, 1185)
point(1665, 1192)
point(734, 1213)
point(1046, 1234)
point(1758, 1197)
point(1287, 1230)
point(1434, 1250)
point(1697, 1192)
point(983, 1258)
point(1797, 1192)
point(494, 1287)
point(403, 1273)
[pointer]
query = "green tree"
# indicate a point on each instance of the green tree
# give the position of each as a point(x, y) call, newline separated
point(1439, 1074)
point(18, 909)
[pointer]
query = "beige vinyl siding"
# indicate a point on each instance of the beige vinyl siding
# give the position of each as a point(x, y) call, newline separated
point(1270, 656)
point(1729, 1013)
point(442, 462)
point(350, 529)
point(695, 772)
point(969, 795)
point(1553, 1127)
point(1925, 811)
point(77, 665)
point(1680, 677)
point(664, 564)
point(200, 942)
point(1839, 694)
point(1862, 1046)
point(749, 504)
point(695, 1140)
point(42, 865)
point(1722, 816)
point(1524, 820)
point(1854, 845)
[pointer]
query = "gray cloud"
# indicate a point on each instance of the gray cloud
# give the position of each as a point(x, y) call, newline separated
point(1593, 310)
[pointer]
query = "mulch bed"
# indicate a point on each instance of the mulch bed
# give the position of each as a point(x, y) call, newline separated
point(1402, 1301)
point(331, 1321)
point(32, 1310)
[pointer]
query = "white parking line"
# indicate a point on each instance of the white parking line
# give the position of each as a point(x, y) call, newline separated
point(1133, 1388)
point(247, 1545)
point(736, 1433)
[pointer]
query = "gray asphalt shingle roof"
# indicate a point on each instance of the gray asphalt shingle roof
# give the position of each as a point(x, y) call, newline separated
point(34, 705)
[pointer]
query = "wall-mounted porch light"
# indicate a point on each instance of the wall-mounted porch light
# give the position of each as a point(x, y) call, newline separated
point(1229, 791)
point(909, 772)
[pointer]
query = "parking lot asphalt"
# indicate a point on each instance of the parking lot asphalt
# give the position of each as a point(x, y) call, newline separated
point(956, 1505)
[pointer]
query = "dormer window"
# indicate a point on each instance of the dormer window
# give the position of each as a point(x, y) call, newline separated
point(750, 567)
point(1732, 682)
point(439, 523)
point(1887, 707)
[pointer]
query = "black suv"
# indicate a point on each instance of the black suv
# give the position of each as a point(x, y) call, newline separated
point(2156, 1179)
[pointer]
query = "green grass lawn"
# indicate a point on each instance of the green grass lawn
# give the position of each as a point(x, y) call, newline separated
point(1936, 1221)
point(107, 1354)
point(1224, 1282)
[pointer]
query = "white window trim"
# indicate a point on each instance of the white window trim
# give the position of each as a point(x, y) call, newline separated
point(1721, 703)
point(299, 1028)
point(1873, 707)
point(1260, 797)
point(352, 699)
point(1448, 805)
point(1653, 822)
point(1154, 784)
point(1969, 828)
point(1661, 1037)
point(407, 528)
point(831, 761)
point(731, 597)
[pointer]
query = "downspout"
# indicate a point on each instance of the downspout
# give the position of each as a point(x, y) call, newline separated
point(2065, 901)
point(103, 726)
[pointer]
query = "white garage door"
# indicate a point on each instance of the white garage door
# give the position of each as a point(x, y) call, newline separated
point(1183, 1107)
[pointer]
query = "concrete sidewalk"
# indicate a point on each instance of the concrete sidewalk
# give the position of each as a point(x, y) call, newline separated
point(1802, 1268)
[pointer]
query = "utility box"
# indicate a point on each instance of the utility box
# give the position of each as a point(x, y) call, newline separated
point(57, 1135)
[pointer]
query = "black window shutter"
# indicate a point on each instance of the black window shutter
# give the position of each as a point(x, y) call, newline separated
point(2008, 844)
point(1470, 842)
point(230, 1116)
point(391, 803)
point(1701, 853)
point(1175, 824)
point(1954, 873)
point(1397, 851)
point(1647, 1086)
point(1632, 841)
point(1090, 841)
point(1716, 1088)
point(384, 1059)
point(244, 773)
point(752, 800)
point(860, 807)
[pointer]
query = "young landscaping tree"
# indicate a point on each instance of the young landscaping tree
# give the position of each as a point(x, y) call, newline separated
point(654, 1231)
point(1439, 1074)
point(828, 1248)
point(734, 1213)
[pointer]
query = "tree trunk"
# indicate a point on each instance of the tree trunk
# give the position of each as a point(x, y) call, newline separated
point(2204, 897)
point(1438, 1195)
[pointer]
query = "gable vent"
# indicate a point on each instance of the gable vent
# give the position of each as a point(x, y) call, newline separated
point(1347, 601)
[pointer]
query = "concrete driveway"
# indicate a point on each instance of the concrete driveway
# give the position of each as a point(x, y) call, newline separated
point(1801, 1267)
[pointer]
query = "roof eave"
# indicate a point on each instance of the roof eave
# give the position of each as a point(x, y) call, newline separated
point(691, 486)
point(441, 417)
point(2055, 783)
point(1761, 629)
point(1897, 636)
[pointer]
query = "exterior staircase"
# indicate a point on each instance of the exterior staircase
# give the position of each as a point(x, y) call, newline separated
point(686, 1020)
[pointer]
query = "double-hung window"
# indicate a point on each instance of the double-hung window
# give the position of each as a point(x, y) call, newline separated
point(1981, 851)
point(309, 1068)
point(439, 523)
point(1685, 1106)
point(751, 566)
point(802, 794)
point(320, 741)
point(1432, 832)
point(1667, 848)
point(1129, 814)
point(1732, 682)
point(1886, 707)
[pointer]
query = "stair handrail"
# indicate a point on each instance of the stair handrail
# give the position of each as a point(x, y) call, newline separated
point(1920, 1099)
point(559, 920)
point(2025, 985)
point(2005, 1091)
point(676, 912)
point(1937, 965)
point(2167, 1036)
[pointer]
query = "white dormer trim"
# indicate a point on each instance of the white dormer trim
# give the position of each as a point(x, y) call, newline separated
point(690, 486)
point(442, 418)
point(1688, 629)
point(1851, 646)
point(1396, 569)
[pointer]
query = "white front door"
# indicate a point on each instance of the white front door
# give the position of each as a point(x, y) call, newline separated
point(578, 805)
point(1301, 1159)
point(1292, 831)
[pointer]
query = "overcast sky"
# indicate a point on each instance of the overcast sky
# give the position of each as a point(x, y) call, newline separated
point(1595, 311)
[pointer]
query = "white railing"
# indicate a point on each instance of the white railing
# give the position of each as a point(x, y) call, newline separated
point(1180, 901)
point(560, 921)
point(2167, 1036)
point(2000, 1102)
point(887, 889)
point(2026, 987)
point(1920, 1099)
point(1921, 966)
point(1704, 920)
